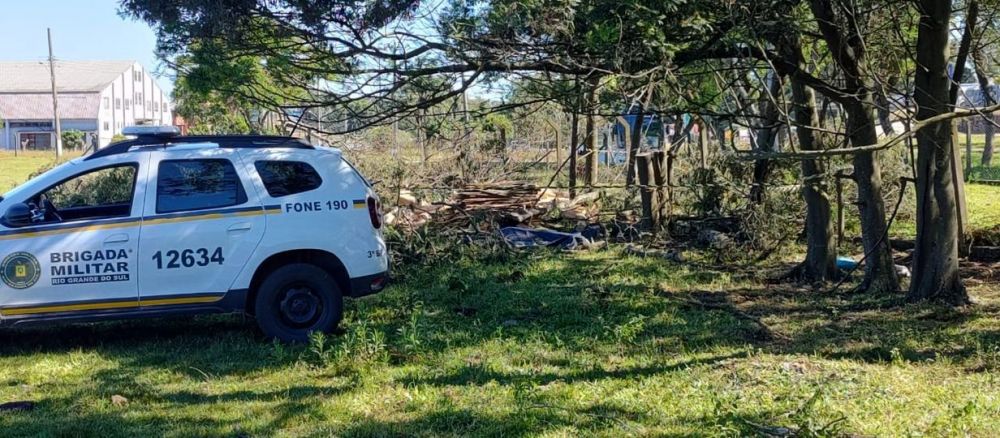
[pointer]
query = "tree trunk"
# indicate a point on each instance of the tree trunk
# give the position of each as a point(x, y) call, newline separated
point(848, 52)
point(590, 162)
point(964, 47)
point(679, 132)
point(635, 135)
point(880, 271)
point(767, 136)
point(935, 258)
point(988, 100)
point(703, 142)
point(502, 137)
point(574, 141)
point(422, 135)
point(644, 172)
point(821, 250)
point(989, 130)
point(885, 107)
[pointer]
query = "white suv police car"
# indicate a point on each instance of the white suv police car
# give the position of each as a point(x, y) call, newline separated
point(165, 225)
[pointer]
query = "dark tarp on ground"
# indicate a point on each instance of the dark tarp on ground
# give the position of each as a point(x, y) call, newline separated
point(519, 237)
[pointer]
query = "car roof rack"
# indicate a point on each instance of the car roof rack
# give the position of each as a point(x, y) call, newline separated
point(162, 138)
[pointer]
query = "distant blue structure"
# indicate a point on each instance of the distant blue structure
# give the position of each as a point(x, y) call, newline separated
point(620, 130)
point(614, 148)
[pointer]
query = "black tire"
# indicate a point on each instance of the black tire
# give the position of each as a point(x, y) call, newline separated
point(297, 299)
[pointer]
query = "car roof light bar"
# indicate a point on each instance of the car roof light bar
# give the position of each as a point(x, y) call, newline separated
point(224, 141)
point(161, 131)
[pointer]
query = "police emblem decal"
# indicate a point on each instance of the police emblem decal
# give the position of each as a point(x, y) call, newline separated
point(20, 270)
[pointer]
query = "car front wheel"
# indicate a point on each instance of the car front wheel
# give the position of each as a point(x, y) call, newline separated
point(297, 299)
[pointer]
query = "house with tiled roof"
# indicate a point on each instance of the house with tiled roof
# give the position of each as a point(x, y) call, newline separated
point(98, 98)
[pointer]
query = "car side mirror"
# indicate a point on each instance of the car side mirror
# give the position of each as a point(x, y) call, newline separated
point(18, 215)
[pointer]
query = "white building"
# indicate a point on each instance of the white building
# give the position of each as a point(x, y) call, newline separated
point(98, 98)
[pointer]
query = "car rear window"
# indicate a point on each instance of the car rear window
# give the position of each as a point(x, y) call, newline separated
point(184, 185)
point(283, 178)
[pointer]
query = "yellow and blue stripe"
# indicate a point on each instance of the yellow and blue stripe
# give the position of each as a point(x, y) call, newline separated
point(116, 304)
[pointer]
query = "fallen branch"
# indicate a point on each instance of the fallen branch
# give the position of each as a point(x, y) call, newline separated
point(732, 310)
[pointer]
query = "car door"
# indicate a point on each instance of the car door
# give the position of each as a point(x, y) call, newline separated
point(80, 254)
point(202, 221)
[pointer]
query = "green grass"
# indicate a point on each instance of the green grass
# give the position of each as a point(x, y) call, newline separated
point(984, 206)
point(979, 172)
point(15, 170)
point(983, 202)
point(547, 345)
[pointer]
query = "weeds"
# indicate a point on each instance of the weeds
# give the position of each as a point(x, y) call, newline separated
point(410, 333)
point(627, 333)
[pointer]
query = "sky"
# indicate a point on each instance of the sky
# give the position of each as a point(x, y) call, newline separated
point(81, 30)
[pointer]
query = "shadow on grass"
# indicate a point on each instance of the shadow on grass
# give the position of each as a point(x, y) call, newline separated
point(599, 307)
point(170, 418)
point(873, 329)
point(480, 375)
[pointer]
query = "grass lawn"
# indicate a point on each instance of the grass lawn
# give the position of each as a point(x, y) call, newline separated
point(15, 170)
point(983, 202)
point(547, 345)
point(984, 206)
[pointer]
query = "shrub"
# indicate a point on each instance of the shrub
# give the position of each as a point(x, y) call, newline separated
point(73, 139)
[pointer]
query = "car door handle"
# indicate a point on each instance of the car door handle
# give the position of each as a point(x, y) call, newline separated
point(116, 238)
point(242, 226)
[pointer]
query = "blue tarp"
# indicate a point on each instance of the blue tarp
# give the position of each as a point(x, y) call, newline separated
point(846, 263)
point(519, 237)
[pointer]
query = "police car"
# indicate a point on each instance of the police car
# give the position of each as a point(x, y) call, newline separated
point(177, 225)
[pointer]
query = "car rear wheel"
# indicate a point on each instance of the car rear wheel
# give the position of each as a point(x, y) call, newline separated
point(296, 300)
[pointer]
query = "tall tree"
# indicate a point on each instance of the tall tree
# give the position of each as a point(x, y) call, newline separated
point(842, 33)
point(984, 55)
point(935, 259)
point(590, 161)
point(989, 127)
point(820, 263)
point(766, 139)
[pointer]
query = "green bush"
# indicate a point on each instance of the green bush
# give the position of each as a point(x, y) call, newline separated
point(982, 173)
point(73, 139)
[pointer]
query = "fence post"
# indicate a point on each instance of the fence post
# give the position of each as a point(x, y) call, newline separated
point(645, 191)
point(838, 178)
point(668, 180)
point(660, 199)
point(703, 142)
point(958, 181)
point(968, 149)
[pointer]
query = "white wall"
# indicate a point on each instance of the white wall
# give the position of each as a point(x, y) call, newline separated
point(125, 88)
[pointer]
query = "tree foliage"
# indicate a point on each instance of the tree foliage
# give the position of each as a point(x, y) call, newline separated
point(757, 65)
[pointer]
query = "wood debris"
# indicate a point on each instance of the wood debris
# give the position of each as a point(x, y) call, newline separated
point(511, 203)
point(510, 196)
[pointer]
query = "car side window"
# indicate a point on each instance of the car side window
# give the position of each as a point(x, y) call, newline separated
point(96, 194)
point(198, 184)
point(283, 178)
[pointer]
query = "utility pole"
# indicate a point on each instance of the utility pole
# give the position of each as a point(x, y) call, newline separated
point(55, 99)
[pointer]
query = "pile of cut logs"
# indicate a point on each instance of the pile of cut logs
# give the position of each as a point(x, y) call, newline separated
point(513, 202)
point(509, 196)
